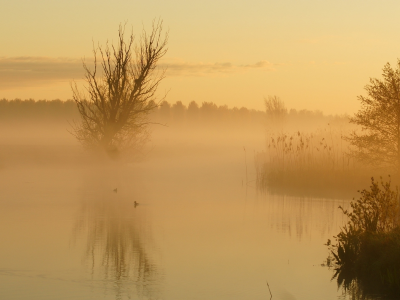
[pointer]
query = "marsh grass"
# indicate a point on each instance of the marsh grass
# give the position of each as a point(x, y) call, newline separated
point(302, 163)
point(366, 253)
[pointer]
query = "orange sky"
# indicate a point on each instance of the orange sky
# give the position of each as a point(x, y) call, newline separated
point(313, 54)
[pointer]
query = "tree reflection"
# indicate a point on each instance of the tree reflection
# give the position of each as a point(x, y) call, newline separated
point(118, 246)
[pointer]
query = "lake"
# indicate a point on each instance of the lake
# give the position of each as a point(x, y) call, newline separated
point(198, 230)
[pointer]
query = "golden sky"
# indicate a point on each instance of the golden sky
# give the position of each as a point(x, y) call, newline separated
point(313, 54)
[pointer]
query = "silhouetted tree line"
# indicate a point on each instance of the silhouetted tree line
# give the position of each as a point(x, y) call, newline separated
point(208, 113)
point(31, 110)
point(177, 114)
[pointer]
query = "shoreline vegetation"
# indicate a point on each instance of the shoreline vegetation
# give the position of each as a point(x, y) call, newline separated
point(311, 164)
point(365, 253)
point(313, 160)
point(317, 161)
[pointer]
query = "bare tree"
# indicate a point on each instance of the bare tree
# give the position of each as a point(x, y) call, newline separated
point(379, 116)
point(119, 96)
point(275, 109)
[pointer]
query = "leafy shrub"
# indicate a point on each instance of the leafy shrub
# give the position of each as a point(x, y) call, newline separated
point(366, 252)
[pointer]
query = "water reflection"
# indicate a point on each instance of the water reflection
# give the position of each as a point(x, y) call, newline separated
point(352, 289)
point(359, 287)
point(118, 246)
point(302, 217)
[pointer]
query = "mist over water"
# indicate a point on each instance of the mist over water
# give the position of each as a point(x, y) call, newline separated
point(119, 193)
point(186, 220)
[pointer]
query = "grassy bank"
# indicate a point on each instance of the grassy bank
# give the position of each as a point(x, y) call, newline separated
point(312, 164)
point(366, 252)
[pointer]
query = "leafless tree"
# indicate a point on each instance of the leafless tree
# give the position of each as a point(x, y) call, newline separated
point(120, 90)
point(379, 116)
point(275, 109)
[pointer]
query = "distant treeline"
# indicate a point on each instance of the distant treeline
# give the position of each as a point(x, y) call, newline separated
point(208, 113)
point(31, 110)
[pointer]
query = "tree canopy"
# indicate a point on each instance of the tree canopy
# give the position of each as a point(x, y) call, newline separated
point(379, 141)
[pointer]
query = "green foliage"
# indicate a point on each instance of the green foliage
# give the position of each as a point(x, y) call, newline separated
point(379, 117)
point(375, 211)
point(367, 249)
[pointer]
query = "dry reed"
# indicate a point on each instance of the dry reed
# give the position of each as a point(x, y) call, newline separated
point(317, 160)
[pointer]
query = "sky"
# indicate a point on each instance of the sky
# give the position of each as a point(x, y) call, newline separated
point(313, 54)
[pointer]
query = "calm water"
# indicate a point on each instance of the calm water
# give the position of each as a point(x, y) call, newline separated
point(197, 233)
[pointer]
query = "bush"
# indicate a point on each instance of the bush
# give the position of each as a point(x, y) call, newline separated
point(366, 252)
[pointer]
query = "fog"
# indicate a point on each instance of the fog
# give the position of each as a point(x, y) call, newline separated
point(41, 133)
point(183, 216)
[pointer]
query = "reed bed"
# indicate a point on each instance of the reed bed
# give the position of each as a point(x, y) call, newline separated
point(308, 163)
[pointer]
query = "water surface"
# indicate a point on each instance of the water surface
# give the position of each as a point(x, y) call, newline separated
point(199, 232)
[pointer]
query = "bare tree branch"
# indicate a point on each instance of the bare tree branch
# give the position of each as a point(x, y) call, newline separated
point(115, 106)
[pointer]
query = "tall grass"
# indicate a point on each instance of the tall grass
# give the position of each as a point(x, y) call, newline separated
point(306, 161)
